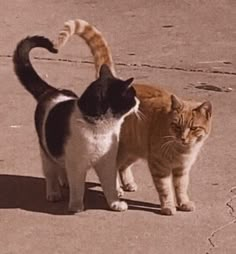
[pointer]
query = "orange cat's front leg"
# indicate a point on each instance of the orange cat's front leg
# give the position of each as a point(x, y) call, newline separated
point(181, 182)
point(163, 183)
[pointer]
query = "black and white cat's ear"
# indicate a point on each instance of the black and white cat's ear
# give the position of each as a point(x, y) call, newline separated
point(176, 103)
point(128, 82)
point(105, 72)
point(205, 108)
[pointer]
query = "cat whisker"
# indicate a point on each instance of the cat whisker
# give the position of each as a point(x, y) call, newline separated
point(167, 143)
point(168, 137)
point(139, 114)
point(165, 148)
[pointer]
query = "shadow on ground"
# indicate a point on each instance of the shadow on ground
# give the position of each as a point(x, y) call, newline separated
point(28, 193)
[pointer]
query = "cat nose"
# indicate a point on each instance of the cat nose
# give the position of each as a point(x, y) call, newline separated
point(183, 140)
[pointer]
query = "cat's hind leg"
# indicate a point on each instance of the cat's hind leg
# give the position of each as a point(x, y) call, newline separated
point(51, 169)
point(119, 190)
point(126, 175)
point(62, 177)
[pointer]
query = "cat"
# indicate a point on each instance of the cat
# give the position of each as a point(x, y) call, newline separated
point(77, 133)
point(168, 136)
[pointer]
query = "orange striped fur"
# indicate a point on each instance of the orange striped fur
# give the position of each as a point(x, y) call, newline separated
point(94, 39)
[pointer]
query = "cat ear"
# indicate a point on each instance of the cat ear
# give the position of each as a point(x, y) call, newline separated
point(128, 82)
point(205, 108)
point(105, 72)
point(176, 103)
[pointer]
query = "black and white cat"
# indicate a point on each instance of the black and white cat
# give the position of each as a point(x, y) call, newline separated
point(76, 134)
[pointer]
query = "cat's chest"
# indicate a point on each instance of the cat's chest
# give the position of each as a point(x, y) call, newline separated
point(183, 159)
point(91, 144)
point(94, 141)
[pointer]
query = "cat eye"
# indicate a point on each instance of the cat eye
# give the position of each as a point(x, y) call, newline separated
point(194, 128)
point(175, 126)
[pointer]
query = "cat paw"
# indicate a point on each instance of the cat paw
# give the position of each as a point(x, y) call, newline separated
point(168, 211)
point(131, 187)
point(75, 208)
point(119, 206)
point(120, 192)
point(63, 182)
point(187, 207)
point(54, 197)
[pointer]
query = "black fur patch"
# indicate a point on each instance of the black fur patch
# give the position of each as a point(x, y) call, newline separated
point(57, 127)
point(41, 109)
point(107, 93)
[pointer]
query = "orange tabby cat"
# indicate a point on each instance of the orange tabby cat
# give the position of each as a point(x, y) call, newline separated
point(168, 134)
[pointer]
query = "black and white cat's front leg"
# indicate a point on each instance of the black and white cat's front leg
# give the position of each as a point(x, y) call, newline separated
point(76, 173)
point(106, 170)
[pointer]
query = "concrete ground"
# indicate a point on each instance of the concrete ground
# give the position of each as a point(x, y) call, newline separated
point(181, 45)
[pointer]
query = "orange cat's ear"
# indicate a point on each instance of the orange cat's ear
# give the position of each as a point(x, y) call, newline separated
point(205, 108)
point(176, 103)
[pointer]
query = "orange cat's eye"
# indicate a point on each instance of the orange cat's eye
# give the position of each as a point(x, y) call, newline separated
point(175, 126)
point(194, 128)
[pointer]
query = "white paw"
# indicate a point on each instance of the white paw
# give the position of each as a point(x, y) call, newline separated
point(54, 196)
point(119, 206)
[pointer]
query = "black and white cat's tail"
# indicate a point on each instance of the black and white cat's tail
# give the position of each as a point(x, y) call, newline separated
point(24, 70)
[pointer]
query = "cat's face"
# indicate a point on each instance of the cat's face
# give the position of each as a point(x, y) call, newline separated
point(190, 124)
point(108, 97)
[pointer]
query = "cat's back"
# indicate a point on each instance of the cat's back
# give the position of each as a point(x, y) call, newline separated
point(152, 98)
point(136, 131)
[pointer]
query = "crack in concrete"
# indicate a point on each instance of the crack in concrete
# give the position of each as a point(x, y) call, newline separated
point(160, 67)
point(231, 211)
point(229, 203)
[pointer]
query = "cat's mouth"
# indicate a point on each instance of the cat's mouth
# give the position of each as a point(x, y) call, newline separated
point(190, 145)
point(184, 143)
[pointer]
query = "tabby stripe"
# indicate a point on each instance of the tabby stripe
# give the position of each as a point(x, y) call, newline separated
point(93, 38)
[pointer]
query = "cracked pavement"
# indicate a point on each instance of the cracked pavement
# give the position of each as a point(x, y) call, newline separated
point(230, 204)
point(189, 48)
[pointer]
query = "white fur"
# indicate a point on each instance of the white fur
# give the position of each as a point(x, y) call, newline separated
point(89, 146)
point(71, 24)
point(60, 98)
point(82, 25)
point(189, 159)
